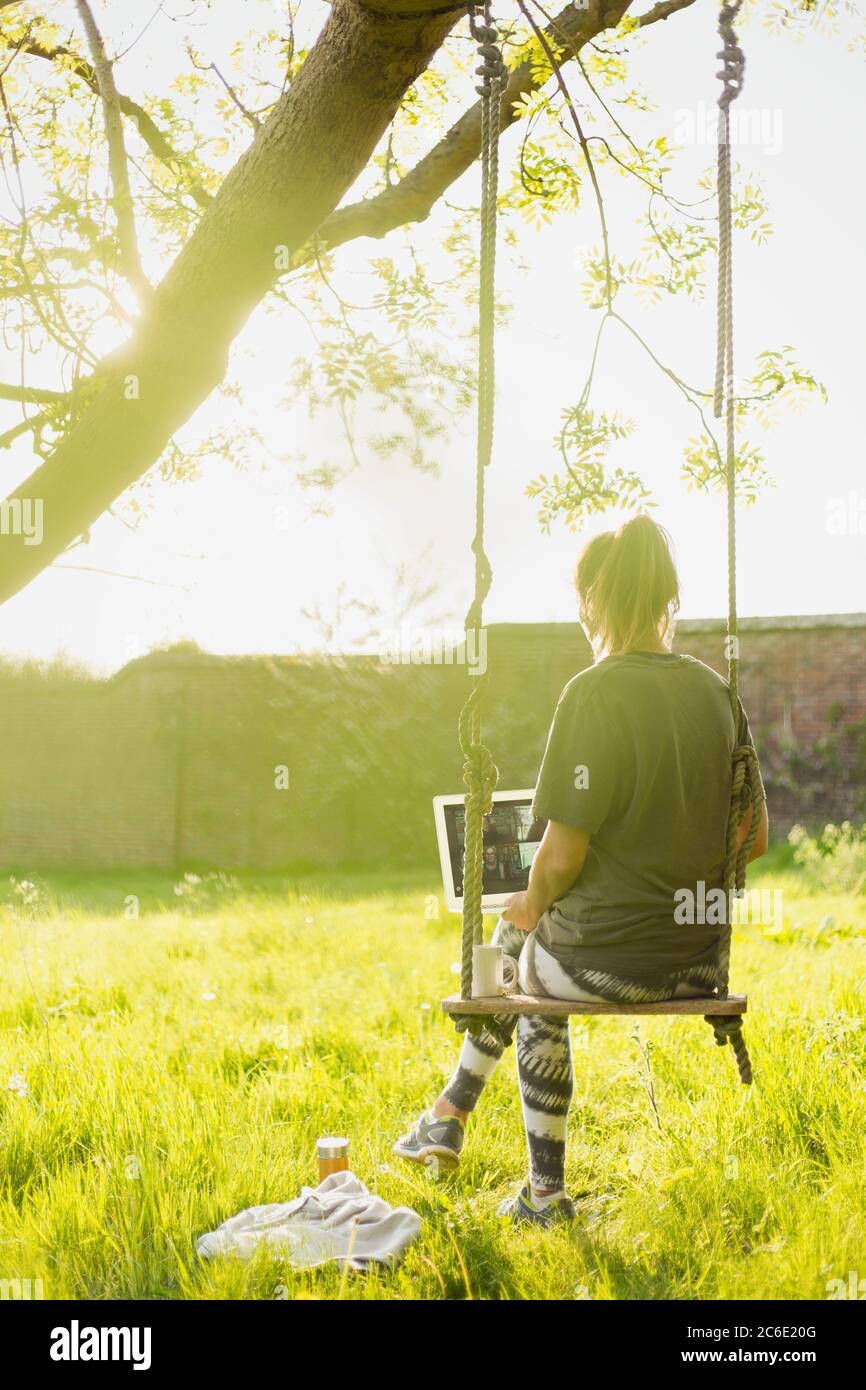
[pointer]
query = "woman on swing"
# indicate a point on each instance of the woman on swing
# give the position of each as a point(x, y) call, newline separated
point(635, 786)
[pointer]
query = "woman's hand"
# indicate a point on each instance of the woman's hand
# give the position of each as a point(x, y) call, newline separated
point(517, 911)
point(555, 867)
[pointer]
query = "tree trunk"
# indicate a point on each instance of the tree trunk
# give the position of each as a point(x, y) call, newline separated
point(313, 146)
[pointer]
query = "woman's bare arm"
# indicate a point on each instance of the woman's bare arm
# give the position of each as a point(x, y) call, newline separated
point(555, 868)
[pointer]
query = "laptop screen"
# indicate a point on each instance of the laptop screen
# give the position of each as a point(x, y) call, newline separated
point(511, 836)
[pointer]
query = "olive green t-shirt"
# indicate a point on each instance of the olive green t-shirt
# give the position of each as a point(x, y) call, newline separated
point(639, 756)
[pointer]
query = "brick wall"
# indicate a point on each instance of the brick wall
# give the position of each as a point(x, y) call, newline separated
point(171, 762)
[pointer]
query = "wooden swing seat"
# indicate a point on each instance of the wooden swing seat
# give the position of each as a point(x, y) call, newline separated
point(557, 1008)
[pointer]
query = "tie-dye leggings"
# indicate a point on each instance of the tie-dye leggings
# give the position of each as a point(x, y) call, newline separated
point(543, 1047)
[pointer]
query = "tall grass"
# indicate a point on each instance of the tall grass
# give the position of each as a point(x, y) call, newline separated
point(159, 1073)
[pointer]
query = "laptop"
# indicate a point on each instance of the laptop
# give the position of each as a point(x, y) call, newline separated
point(511, 836)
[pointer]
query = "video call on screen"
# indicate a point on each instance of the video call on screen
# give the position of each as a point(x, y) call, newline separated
point(511, 836)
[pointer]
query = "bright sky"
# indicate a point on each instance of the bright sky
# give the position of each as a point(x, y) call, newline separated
point(231, 559)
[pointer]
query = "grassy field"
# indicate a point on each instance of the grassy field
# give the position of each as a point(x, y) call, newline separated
point(159, 1073)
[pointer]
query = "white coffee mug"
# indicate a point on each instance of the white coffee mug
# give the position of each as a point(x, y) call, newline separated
point(487, 975)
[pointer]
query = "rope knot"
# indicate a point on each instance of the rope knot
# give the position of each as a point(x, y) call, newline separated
point(746, 793)
point(480, 775)
point(733, 58)
point(728, 1030)
point(724, 1027)
point(492, 69)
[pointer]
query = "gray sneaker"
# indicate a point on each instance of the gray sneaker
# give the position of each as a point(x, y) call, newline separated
point(433, 1142)
point(523, 1212)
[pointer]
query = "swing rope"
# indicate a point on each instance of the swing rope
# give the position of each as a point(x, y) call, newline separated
point(480, 774)
point(746, 790)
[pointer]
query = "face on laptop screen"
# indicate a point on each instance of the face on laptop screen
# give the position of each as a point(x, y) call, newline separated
point(511, 836)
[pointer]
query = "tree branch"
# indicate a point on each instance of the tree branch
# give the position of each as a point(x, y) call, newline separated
point(249, 116)
point(315, 142)
point(663, 10)
point(33, 422)
point(31, 395)
point(158, 144)
point(413, 198)
point(124, 209)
